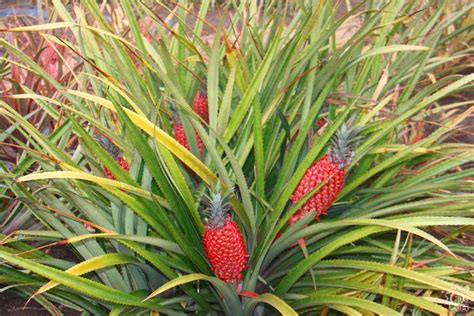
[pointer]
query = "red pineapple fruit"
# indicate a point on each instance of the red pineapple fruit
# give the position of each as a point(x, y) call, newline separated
point(330, 170)
point(122, 163)
point(222, 240)
point(200, 104)
point(180, 136)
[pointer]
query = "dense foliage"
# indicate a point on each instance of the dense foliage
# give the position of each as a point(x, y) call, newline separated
point(126, 71)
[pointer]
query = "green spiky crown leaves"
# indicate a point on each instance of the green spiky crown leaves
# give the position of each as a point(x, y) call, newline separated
point(217, 206)
point(108, 145)
point(203, 87)
point(343, 143)
point(174, 113)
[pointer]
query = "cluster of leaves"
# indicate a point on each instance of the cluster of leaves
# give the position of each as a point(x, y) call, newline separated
point(272, 70)
point(13, 79)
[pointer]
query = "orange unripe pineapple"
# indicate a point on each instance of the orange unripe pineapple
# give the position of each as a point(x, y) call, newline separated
point(330, 170)
point(222, 240)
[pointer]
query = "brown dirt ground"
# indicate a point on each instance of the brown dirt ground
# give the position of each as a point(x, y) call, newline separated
point(13, 304)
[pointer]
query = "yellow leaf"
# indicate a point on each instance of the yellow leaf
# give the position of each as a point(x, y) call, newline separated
point(161, 136)
point(278, 304)
point(176, 282)
point(40, 27)
point(80, 175)
point(90, 265)
point(87, 236)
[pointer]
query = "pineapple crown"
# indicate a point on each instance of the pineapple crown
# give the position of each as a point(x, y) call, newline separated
point(203, 90)
point(203, 87)
point(174, 113)
point(343, 143)
point(217, 206)
point(108, 145)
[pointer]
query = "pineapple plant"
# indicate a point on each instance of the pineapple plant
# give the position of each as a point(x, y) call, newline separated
point(329, 172)
point(394, 226)
point(222, 240)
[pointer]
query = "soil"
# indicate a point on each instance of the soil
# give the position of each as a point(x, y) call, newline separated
point(13, 303)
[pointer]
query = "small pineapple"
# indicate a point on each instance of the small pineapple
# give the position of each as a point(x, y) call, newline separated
point(331, 168)
point(222, 240)
point(200, 104)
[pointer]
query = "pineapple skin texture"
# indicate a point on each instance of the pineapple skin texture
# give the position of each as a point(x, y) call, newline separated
point(122, 163)
point(320, 171)
point(200, 106)
point(226, 251)
point(180, 136)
